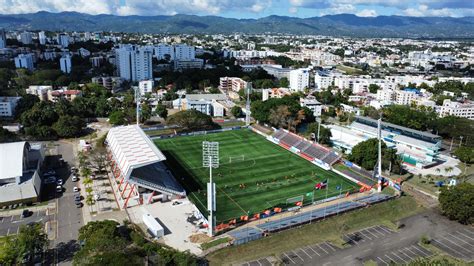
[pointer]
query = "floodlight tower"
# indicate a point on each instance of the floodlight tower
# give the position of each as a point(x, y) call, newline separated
point(210, 158)
point(137, 100)
point(247, 106)
point(379, 160)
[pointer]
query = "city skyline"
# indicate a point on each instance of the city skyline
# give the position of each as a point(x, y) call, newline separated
point(246, 8)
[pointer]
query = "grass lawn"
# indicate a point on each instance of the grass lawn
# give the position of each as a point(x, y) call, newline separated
point(331, 229)
point(254, 174)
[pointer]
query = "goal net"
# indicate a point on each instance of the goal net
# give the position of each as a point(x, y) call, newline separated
point(295, 199)
point(233, 159)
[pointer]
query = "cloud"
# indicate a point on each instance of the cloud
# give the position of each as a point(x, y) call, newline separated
point(367, 13)
point(134, 7)
point(293, 10)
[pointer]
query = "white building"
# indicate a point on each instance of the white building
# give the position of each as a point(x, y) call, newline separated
point(277, 71)
point(206, 103)
point(312, 104)
point(299, 79)
point(232, 84)
point(65, 63)
point(179, 65)
point(42, 37)
point(8, 105)
point(402, 97)
point(465, 110)
point(184, 52)
point(134, 63)
point(145, 86)
point(24, 61)
point(26, 37)
point(3, 39)
point(63, 40)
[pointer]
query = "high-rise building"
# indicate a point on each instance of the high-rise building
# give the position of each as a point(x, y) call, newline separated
point(42, 37)
point(299, 79)
point(65, 63)
point(3, 39)
point(134, 63)
point(63, 40)
point(145, 86)
point(26, 37)
point(24, 61)
point(184, 52)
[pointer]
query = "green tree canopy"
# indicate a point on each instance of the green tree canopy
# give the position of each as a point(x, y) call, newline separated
point(365, 154)
point(324, 133)
point(117, 118)
point(31, 239)
point(457, 202)
point(69, 126)
point(191, 120)
point(161, 111)
point(236, 111)
point(465, 154)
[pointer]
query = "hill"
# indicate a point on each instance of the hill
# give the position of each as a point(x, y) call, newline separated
point(335, 25)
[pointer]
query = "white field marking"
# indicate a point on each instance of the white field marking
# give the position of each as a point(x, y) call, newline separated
point(441, 243)
point(11, 220)
point(456, 244)
point(459, 232)
point(3, 220)
point(401, 251)
point(409, 250)
point(367, 230)
point(8, 231)
point(323, 249)
point(384, 229)
point(421, 250)
point(18, 230)
point(259, 263)
point(399, 257)
point(469, 231)
point(314, 251)
point(37, 214)
point(390, 258)
point(462, 240)
point(360, 232)
point(289, 258)
point(382, 261)
point(329, 246)
point(306, 253)
point(297, 255)
point(378, 231)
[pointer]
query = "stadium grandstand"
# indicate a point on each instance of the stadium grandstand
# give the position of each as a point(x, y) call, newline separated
point(417, 148)
point(138, 168)
point(313, 152)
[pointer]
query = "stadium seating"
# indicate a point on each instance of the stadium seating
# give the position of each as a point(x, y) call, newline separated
point(311, 150)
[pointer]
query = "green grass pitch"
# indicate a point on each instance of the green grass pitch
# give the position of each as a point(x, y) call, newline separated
point(270, 174)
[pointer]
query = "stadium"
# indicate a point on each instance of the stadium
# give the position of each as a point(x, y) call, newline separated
point(258, 175)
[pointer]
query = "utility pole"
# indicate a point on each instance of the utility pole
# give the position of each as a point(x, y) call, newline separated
point(210, 158)
point(247, 105)
point(137, 100)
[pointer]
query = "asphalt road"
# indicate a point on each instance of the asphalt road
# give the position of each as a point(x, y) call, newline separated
point(69, 217)
point(11, 224)
point(385, 247)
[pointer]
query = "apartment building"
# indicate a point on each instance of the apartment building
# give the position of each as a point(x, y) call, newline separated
point(299, 79)
point(24, 61)
point(8, 105)
point(134, 63)
point(465, 110)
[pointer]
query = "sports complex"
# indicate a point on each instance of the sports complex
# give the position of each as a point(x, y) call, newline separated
point(257, 175)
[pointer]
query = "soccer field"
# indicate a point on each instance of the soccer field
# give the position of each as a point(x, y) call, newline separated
point(254, 174)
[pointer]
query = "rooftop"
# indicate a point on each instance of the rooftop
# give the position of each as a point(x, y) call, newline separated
point(11, 159)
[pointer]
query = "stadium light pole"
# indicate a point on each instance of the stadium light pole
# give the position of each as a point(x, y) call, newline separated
point(247, 105)
point(210, 158)
point(137, 100)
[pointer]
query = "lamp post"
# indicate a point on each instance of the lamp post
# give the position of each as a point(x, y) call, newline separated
point(210, 158)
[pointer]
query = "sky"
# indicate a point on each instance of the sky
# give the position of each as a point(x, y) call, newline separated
point(246, 8)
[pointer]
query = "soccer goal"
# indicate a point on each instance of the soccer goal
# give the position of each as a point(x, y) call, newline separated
point(234, 159)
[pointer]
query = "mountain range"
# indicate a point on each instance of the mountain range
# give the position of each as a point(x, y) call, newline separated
point(331, 25)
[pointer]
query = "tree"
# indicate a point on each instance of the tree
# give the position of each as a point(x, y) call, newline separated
point(236, 111)
point(365, 154)
point(465, 154)
point(25, 103)
point(457, 202)
point(7, 136)
point(117, 118)
point(41, 132)
point(145, 112)
point(373, 88)
point(31, 240)
point(284, 83)
point(69, 126)
point(161, 111)
point(279, 116)
point(191, 120)
point(324, 133)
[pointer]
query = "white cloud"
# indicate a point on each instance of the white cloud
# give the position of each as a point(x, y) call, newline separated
point(425, 10)
point(293, 10)
point(367, 13)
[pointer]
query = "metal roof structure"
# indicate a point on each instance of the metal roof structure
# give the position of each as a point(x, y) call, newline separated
point(11, 159)
point(131, 148)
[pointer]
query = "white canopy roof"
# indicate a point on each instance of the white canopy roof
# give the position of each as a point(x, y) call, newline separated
point(11, 159)
point(131, 148)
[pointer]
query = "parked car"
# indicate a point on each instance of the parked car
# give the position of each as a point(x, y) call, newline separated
point(74, 178)
point(26, 213)
point(77, 197)
point(75, 189)
point(59, 182)
point(59, 189)
point(50, 180)
point(96, 196)
point(78, 204)
point(49, 173)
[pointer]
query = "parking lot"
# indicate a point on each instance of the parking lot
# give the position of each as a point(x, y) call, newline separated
point(10, 225)
point(403, 256)
point(459, 244)
point(367, 234)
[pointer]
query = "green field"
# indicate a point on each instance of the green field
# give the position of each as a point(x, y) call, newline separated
point(270, 174)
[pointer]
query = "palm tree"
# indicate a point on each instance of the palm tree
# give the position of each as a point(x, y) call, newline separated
point(89, 200)
point(87, 181)
point(86, 172)
point(89, 190)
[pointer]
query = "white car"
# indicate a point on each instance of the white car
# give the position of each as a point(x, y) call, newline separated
point(96, 196)
point(59, 189)
point(59, 182)
point(74, 178)
point(75, 189)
